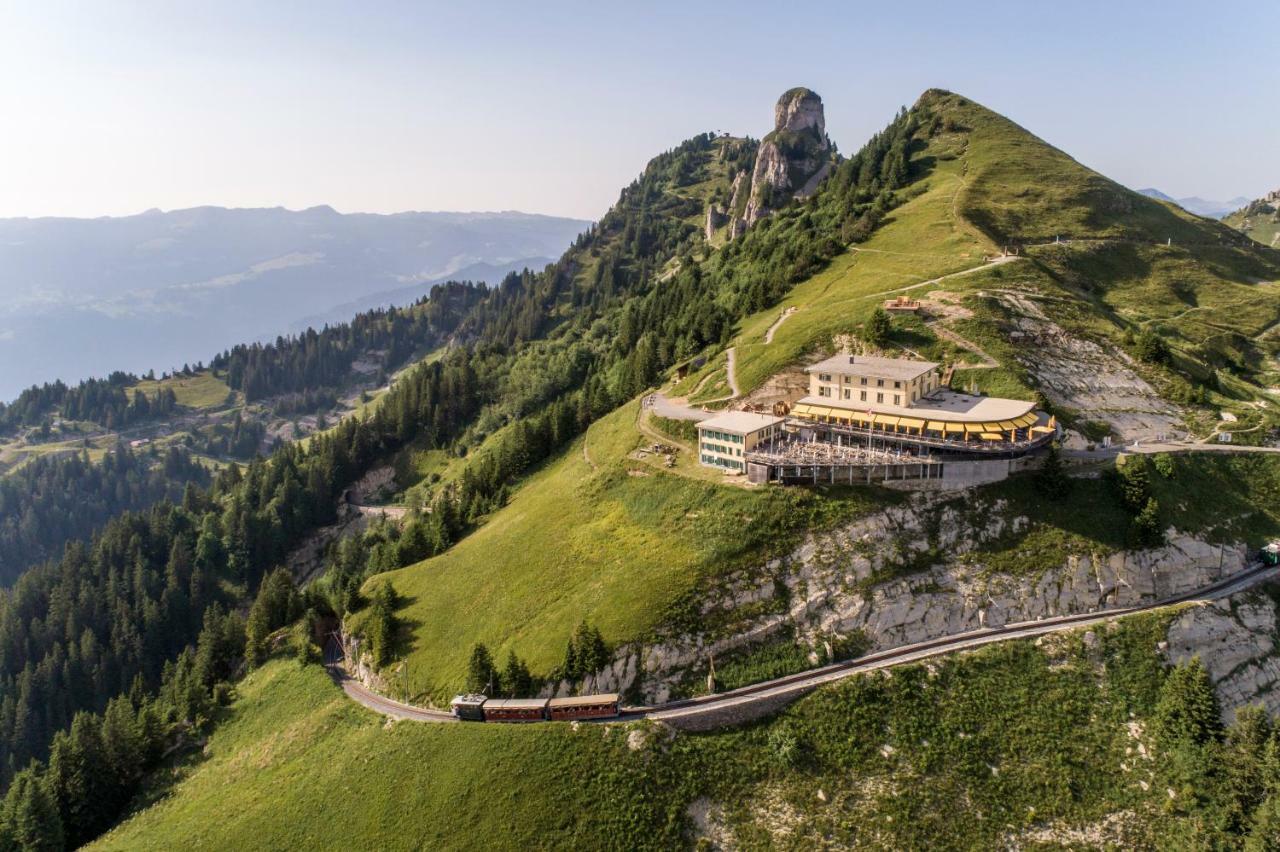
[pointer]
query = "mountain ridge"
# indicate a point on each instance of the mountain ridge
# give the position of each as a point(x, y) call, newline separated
point(553, 515)
point(1197, 205)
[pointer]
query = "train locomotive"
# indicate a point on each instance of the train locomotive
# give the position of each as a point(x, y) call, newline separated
point(481, 708)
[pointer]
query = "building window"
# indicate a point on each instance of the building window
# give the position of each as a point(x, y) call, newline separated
point(864, 381)
point(848, 394)
point(824, 377)
point(879, 383)
point(864, 396)
point(824, 391)
point(897, 399)
point(897, 384)
point(879, 397)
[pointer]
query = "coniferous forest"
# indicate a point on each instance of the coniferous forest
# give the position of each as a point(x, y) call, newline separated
point(121, 647)
point(56, 499)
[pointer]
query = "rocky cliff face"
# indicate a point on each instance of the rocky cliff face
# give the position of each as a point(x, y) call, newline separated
point(828, 590)
point(1235, 638)
point(791, 162)
point(796, 151)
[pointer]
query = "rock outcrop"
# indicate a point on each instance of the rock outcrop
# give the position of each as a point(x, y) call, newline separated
point(716, 218)
point(795, 151)
point(791, 161)
point(1235, 638)
point(930, 548)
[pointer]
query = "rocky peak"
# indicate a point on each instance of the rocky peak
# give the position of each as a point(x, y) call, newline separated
point(792, 160)
point(798, 110)
point(794, 157)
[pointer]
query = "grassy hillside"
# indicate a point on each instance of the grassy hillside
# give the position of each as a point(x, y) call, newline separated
point(594, 535)
point(202, 390)
point(1125, 264)
point(1260, 221)
point(922, 240)
point(585, 537)
point(298, 766)
point(1024, 744)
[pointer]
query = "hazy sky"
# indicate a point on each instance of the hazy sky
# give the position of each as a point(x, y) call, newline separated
point(115, 107)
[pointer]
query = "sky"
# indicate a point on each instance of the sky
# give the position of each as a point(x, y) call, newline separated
point(114, 108)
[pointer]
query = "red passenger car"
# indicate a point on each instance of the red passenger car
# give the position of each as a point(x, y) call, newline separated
point(515, 710)
point(583, 707)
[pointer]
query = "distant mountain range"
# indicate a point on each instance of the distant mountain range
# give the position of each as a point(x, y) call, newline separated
point(1200, 206)
point(160, 289)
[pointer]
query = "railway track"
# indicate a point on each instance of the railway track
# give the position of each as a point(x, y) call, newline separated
point(772, 693)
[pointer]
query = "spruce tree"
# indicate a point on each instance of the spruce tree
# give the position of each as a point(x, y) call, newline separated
point(878, 328)
point(516, 680)
point(29, 818)
point(1052, 479)
point(481, 674)
point(1187, 709)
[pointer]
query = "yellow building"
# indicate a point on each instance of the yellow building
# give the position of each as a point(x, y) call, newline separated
point(866, 380)
point(724, 440)
point(905, 397)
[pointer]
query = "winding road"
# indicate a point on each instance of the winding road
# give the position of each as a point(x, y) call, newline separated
point(772, 693)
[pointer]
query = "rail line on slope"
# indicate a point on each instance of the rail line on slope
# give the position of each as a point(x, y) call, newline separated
point(793, 686)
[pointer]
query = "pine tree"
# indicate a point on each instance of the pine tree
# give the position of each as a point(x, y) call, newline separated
point(482, 677)
point(878, 328)
point(1187, 709)
point(516, 680)
point(382, 624)
point(29, 818)
point(1147, 530)
point(122, 742)
point(1135, 483)
point(1265, 834)
point(82, 789)
point(1052, 479)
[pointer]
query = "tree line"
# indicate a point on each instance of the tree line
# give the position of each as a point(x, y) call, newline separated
point(304, 363)
point(103, 401)
point(54, 499)
point(97, 765)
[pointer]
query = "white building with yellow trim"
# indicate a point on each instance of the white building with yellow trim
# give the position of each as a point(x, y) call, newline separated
point(905, 397)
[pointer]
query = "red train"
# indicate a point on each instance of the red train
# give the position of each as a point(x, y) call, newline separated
point(481, 708)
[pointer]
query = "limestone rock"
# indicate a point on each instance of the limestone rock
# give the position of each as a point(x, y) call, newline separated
point(794, 152)
point(1235, 638)
point(716, 219)
point(929, 547)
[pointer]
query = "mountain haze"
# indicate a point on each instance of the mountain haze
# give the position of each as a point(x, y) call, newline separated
point(161, 289)
point(1199, 206)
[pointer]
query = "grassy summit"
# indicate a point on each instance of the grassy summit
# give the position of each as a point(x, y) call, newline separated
point(595, 534)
